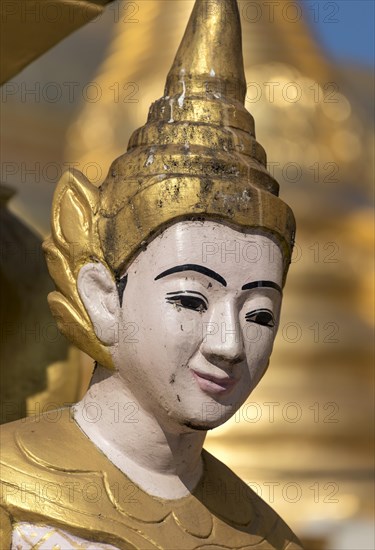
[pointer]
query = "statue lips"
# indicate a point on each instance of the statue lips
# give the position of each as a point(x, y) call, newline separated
point(214, 384)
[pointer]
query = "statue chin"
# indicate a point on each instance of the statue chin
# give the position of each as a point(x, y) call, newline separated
point(202, 427)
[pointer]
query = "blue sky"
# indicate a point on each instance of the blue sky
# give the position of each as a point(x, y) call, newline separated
point(345, 28)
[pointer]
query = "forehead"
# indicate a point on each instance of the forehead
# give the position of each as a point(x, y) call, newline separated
point(237, 257)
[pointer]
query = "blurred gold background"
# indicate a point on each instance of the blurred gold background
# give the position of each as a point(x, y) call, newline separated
point(304, 439)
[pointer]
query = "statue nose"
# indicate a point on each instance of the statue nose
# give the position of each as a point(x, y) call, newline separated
point(222, 342)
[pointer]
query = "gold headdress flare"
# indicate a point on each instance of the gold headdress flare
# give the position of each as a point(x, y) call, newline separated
point(196, 158)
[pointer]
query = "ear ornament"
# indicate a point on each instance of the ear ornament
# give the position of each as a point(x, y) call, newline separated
point(74, 241)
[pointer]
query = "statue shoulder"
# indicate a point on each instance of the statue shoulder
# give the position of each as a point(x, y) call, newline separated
point(15, 472)
point(35, 463)
point(231, 499)
point(29, 448)
point(53, 475)
point(22, 441)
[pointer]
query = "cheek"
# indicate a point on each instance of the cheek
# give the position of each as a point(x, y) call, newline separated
point(184, 329)
point(166, 335)
point(258, 344)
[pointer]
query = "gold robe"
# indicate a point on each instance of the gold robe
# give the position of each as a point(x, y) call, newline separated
point(52, 474)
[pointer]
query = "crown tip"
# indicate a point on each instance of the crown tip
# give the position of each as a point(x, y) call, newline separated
point(210, 55)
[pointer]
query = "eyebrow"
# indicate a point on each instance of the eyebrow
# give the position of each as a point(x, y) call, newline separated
point(262, 284)
point(217, 277)
point(193, 267)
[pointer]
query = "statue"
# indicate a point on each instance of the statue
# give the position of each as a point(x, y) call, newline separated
point(170, 276)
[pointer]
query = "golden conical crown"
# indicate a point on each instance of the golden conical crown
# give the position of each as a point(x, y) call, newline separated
point(197, 155)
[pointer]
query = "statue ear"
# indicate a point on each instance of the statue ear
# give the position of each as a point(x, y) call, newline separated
point(98, 293)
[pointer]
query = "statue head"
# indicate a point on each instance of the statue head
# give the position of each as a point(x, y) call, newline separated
point(172, 271)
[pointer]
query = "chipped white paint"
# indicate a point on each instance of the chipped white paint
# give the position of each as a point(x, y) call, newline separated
point(171, 105)
point(151, 157)
point(150, 160)
point(245, 195)
point(181, 99)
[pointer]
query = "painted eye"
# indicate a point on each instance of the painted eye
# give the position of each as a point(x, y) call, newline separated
point(188, 302)
point(262, 317)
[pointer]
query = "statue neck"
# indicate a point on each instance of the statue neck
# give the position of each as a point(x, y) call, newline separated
point(164, 461)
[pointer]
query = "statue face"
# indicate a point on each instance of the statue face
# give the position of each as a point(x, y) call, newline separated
point(198, 321)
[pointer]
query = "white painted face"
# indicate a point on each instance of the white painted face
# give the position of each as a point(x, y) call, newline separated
point(198, 321)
